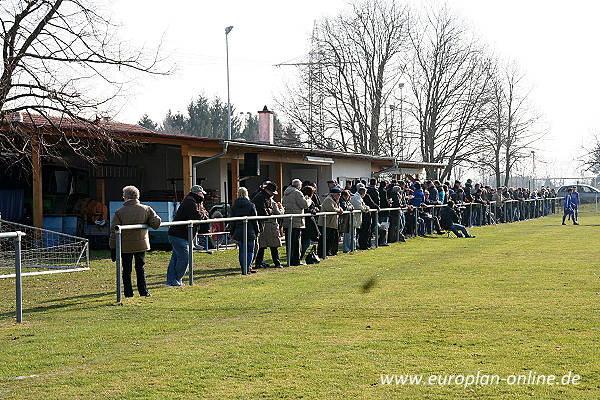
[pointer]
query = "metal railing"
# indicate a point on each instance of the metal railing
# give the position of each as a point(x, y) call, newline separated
point(288, 221)
point(18, 278)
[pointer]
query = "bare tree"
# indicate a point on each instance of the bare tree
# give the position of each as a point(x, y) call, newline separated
point(352, 72)
point(591, 158)
point(449, 77)
point(514, 126)
point(61, 60)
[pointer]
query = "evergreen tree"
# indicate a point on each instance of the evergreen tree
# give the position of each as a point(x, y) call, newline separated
point(285, 135)
point(204, 119)
point(147, 123)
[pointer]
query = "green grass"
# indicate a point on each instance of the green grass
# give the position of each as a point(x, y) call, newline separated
point(520, 297)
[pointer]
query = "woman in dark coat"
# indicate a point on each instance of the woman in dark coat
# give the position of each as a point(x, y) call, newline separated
point(243, 207)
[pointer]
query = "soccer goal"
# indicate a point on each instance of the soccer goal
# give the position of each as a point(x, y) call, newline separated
point(42, 251)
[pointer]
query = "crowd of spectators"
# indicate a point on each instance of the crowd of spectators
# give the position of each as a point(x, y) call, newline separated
point(427, 207)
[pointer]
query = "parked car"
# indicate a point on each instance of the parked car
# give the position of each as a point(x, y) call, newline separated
point(587, 193)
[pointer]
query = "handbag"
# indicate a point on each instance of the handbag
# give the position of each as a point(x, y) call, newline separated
point(312, 257)
point(312, 229)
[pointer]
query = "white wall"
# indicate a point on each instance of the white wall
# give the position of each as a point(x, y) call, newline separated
point(351, 168)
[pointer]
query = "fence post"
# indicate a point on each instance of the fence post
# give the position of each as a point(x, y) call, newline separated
point(118, 262)
point(376, 228)
point(191, 253)
point(18, 279)
point(245, 248)
point(399, 224)
point(352, 231)
point(416, 211)
point(288, 242)
point(324, 236)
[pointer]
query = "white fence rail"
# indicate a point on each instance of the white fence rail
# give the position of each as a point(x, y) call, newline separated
point(509, 211)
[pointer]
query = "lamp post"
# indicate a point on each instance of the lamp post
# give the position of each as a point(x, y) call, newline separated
point(227, 30)
point(401, 86)
point(533, 168)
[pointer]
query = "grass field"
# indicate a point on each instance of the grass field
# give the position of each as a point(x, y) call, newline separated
point(520, 299)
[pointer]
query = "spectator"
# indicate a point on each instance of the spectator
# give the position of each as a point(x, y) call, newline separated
point(449, 221)
point(191, 208)
point(332, 236)
point(134, 243)
point(396, 217)
point(346, 227)
point(364, 233)
point(243, 207)
point(371, 199)
point(311, 232)
point(498, 200)
point(265, 205)
point(331, 183)
point(294, 202)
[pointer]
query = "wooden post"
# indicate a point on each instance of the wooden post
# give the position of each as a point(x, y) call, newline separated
point(279, 179)
point(235, 176)
point(187, 169)
point(100, 183)
point(36, 168)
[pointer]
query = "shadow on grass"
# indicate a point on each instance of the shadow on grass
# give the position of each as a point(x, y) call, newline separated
point(215, 273)
point(68, 303)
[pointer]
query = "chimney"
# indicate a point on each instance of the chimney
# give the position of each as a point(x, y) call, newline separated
point(265, 126)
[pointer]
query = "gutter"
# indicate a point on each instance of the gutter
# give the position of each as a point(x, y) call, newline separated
point(225, 146)
point(310, 151)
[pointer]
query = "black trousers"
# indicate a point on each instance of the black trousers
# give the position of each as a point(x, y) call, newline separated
point(293, 248)
point(364, 237)
point(260, 255)
point(140, 274)
point(331, 247)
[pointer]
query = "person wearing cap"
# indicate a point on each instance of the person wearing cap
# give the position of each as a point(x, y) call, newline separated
point(134, 243)
point(191, 208)
point(264, 203)
point(331, 183)
point(330, 204)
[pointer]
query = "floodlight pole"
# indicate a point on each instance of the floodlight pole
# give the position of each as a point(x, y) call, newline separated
point(227, 30)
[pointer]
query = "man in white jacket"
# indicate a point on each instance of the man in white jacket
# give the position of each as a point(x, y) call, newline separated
point(364, 235)
point(294, 202)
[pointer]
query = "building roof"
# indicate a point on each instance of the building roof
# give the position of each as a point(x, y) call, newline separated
point(67, 123)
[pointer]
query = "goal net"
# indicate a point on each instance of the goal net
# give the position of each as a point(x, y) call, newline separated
point(42, 251)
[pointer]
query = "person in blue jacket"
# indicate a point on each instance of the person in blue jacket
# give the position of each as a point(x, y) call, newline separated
point(575, 202)
point(570, 207)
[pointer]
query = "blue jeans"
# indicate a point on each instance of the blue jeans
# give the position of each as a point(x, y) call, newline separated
point(249, 253)
point(179, 260)
point(305, 244)
point(347, 242)
point(459, 230)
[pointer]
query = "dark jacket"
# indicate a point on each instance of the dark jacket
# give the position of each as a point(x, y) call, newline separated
point(243, 207)
point(448, 217)
point(262, 202)
point(191, 208)
point(383, 200)
point(373, 192)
